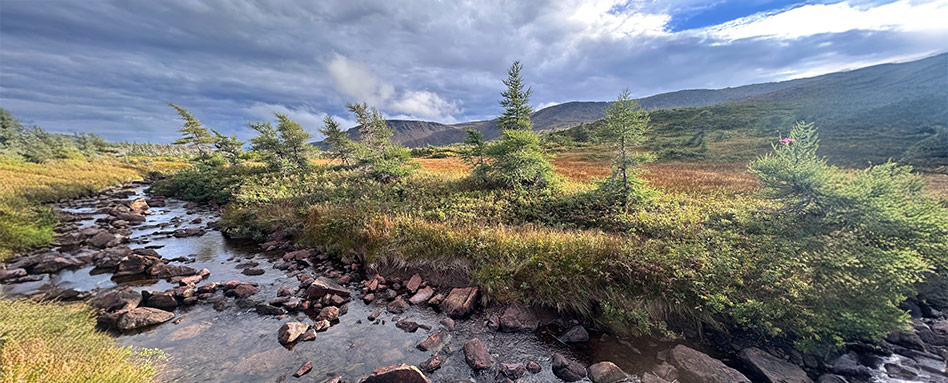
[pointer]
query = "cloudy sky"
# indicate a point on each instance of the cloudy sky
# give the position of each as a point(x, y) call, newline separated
point(110, 67)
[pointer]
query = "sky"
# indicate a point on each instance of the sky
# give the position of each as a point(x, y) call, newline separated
point(111, 67)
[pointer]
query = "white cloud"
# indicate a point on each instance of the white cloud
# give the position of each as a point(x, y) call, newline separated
point(812, 19)
point(547, 105)
point(310, 120)
point(355, 80)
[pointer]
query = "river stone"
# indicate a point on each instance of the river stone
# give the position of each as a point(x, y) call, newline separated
point(134, 264)
point(290, 331)
point(103, 239)
point(460, 302)
point(772, 369)
point(576, 334)
point(533, 367)
point(11, 274)
point(607, 372)
point(397, 373)
point(242, 290)
point(848, 365)
point(322, 286)
point(129, 217)
point(253, 271)
point(138, 205)
point(433, 363)
point(518, 318)
point(434, 342)
point(304, 369)
point(321, 325)
point(52, 262)
point(421, 296)
point(143, 317)
point(328, 313)
point(164, 300)
point(476, 356)
point(513, 370)
point(566, 369)
point(414, 283)
point(397, 306)
point(697, 367)
point(163, 270)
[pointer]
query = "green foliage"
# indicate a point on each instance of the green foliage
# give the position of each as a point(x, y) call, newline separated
point(516, 102)
point(377, 156)
point(228, 147)
point(473, 155)
point(626, 125)
point(284, 148)
point(516, 162)
point(340, 147)
point(193, 134)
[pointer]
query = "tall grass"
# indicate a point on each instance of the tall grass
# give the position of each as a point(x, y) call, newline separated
point(53, 343)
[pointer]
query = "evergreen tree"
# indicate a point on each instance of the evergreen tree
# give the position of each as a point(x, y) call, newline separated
point(193, 133)
point(516, 101)
point(474, 155)
point(625, 127)
point(229, 147)
point(377, 155)
point(374, 133)
point(339, 145)
point(286, 147)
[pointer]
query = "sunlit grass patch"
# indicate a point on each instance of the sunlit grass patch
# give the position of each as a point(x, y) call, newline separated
point(52, 342)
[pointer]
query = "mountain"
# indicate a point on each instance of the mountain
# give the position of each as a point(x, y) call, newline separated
point(869, 114)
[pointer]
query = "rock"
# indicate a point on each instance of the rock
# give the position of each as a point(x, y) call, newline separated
point(460, 302)
point(11, 274)
point(242, 290)
point(290, 331)
point(575, 334)
point(906, 338)
point(513, 370)
point(448, 323)
point(607, 372)
point(129, 217)
point(533, 367)
point(368, 298)
point(328, 313)
point(336, 300)
point(436, 300)
point(308, 336)
point(299, 255)
point(321, 325)
point(375, 314)
point(408, 326)
point(164, 300)
point(269, 310)
point(163, 270)
point(476, 356)
point(135, 264)
point(434, 342)
point(433, 363)
point(772, 369)
point(397, 306)
point(143, 317)
point(103, 239)
point(666, 371)
point(402, 373)
point(138, 205)
point(252, 271)
point(421, 296)
point(191, 280)
point(322, 286)
point(848, 365)
point(697, 367)
point(304, 369)
point(649, 377)
point(188, 232)
point(518, 318)
point(52, 262)
point(566, 369)
point(117, 300)
point(830, 378)
point(414, 283)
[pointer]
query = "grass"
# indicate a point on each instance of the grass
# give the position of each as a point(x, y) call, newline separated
point(25, 189)
point(52, 343)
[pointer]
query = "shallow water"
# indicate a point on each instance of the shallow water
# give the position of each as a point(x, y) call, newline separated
point(239, 345)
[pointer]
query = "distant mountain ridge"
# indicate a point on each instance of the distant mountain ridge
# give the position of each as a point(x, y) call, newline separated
point(906, 103)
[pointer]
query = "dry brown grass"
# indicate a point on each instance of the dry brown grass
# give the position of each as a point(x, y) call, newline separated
point(701, 177)
point(938, 185)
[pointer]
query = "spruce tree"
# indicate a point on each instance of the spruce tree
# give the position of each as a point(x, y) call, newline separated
point(193, 134)
point(626, 124)
point(340, 147)
point(516, 101)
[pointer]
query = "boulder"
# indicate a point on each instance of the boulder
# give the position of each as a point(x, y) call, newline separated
point(163, 270)
point(103, 239)
point(848, 365)
point(697, 367)
point(53, 262)
point(567, 369)
point(771, 369)
point(164, 300)
point(290, 331)
point(321, 325)
point(575, 334)
point(138, 205)
point(252, 271)
point(12, 274)
point(421, 296)
point(143, 317)
point(134, 264)
point(607, 372)
point(518, 318)
point(117, 300)
point(397, 373)
point(241, 290)
point(322, 286)
point(533, 367)
point(476, 356)
point(328, 313)
point(460, 302)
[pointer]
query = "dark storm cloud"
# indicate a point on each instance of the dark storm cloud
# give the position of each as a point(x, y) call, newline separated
point(111, 67)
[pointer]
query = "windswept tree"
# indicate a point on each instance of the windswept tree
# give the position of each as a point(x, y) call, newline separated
point(474, 154)
point(285, 148)
point(380, 158)
point(625, 127)
point(517, 161)
point(193, 134)
point(228, 147)
point(516, 101)
point(339, 146)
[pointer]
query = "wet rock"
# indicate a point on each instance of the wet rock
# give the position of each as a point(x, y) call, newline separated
point(476, 356)
point(322, 286)
point(772, 369)
point(402, 373)
point(513, 370)
point(103, 239)
point(117, 300)
point(285, 291)
point(375, 314)
point(413, 284)
point(830, 378)
point(434, 342)
point(368, 298)
point(336, 300)
point(421, 296)
point(533, 367)
point(308, 336)
point(269, 310)
point(433, 363)
point(304, 369)
point(242, 290)
point(142, 317)
point(163, 270)
point(328, 313)
point(460, 302)
point(190, 280)
point(290, 331)
point(518, 318)
point(299, 255)
point(62, 294)
point(138, 205)
point(130, 217)
point(848, 365)
point(11, 274)
point(575, 334)
point(448, 323)
point(321, 325)
point(607, 372)
point(566, 369)
point(397, 306)
point(209, 287)
point(53, 262)
point(163, 300)
point(409, 326)
point(188, 232)
point(253, 272)
point(436, 300)
point(135, 264)
point(906, 338)
point(695, 366)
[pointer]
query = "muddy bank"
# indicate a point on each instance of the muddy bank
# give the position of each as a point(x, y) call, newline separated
point(230, 310)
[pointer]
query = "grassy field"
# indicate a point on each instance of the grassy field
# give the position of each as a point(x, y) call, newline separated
point(25, 189)
point(58, 343)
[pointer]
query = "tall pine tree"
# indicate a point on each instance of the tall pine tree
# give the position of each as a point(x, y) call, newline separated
point(516, 101)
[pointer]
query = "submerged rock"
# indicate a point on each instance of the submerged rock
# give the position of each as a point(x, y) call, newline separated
point(395, 373)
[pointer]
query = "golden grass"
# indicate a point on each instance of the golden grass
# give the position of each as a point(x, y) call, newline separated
point(53, 343)
point(938, 185)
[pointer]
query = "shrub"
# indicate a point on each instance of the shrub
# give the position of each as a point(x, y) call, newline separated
point(516, 162)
